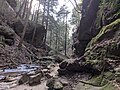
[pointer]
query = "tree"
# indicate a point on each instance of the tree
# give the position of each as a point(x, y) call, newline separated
point(36, 21)
point(48, 11)
point(75, 18)
point(26, 23)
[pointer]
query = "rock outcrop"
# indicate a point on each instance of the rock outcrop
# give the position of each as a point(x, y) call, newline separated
point(39, 34)
point(8, 17)
point(10, 29)
point(99, 31)
point(89, 14)
point(99, 38)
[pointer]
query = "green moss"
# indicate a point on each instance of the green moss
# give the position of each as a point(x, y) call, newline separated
point(109, 86)
point(102, 79)
point(109, 75)
point(99, 81)
point(104, 30)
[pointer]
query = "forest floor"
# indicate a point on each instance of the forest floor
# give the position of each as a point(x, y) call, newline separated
point(40, 72)
point(10, 79)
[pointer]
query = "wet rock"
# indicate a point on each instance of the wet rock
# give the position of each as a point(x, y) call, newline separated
point(35, 80)
point(31, 80)
point(24, 79)
point(74, 65)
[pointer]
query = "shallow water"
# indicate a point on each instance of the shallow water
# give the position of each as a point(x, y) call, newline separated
point(23, 68)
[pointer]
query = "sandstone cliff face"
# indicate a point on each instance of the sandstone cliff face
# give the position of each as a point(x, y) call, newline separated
point(99, 23)
point(89, 14)
point(106, 42)
point(99, 42)
point(99, 34)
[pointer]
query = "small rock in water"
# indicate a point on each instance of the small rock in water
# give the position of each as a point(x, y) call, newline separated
point(24, 79)
point(35, 80)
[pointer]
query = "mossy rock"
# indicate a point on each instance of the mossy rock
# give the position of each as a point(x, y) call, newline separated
point(99, 81)
point(102, 79)
point(109, 86)
point(105, 30)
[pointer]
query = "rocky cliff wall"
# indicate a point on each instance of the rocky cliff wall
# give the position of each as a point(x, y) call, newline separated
point(10, 55)
point(89, 14)
point(8, 17)
point(100, 21)
point(99, 34)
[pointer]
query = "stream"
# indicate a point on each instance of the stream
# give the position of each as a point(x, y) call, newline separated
point(9, 77)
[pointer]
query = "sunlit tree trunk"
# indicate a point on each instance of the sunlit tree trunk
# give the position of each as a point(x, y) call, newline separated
point(36, 20)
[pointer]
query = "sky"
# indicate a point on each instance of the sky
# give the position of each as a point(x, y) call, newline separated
point(61, 3)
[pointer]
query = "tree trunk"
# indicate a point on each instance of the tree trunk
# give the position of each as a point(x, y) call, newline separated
point(66, 37)
point(36, 20)
point(43, 19)
point(24, 10)
point(19, 12)
point(26, 23)
point(47, 21)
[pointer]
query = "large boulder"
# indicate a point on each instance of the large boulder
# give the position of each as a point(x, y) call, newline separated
point(75, 65)
point(39, 34)
point(8, 34)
